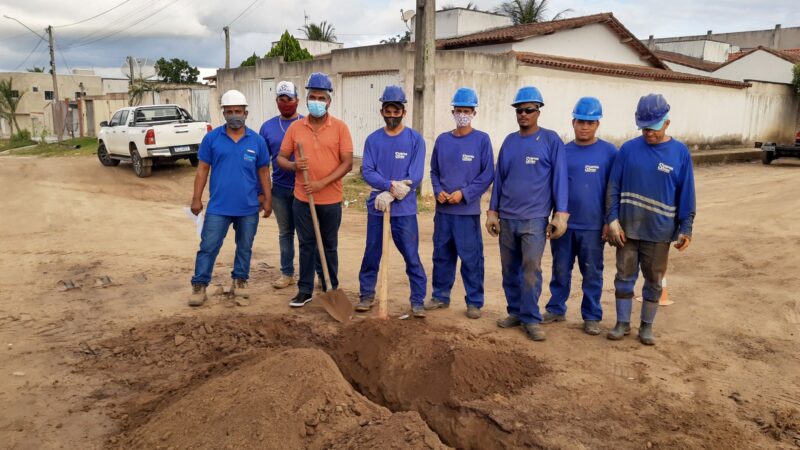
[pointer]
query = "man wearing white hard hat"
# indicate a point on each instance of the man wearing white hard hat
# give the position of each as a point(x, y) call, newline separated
point(240, 162)
point(273, 132)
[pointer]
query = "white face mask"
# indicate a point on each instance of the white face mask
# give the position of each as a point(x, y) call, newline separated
point(462, 120)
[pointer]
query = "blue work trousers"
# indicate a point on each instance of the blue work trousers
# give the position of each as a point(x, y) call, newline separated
point(215, 228)
point(282, 201)
point(521, 247)
point(587, 246)
point(330, 217)
point(457, 236)
point(405, 235)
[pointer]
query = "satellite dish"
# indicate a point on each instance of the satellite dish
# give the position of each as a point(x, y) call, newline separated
point(408, 14)
point(142, 68)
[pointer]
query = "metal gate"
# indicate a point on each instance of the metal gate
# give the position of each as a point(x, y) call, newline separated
point(200, 105)
point(360, 106)
point(89, 117)
point(252, 92)
point(268, 107)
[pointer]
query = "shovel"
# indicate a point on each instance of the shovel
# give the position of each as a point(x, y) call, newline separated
point(334, 301)
point(383, 272)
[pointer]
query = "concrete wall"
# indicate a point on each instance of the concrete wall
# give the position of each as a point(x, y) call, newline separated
point(318, 47)
point(605, 46)
point(459, 22)
point(686, 69)
point(779, 38)
point(702, 49)
point(771, 110)
point(115, 86)
point(759, 65)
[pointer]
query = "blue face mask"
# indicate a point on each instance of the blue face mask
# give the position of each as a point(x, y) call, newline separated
point(317, 108)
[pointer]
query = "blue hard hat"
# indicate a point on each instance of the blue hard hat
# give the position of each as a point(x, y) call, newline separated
point(393, 94)
point(319, 80)
point(588, 108)
point(652, 109)
point(528, 94)
point(465, 97)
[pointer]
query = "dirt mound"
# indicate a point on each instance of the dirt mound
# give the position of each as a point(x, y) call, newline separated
point(288, 399)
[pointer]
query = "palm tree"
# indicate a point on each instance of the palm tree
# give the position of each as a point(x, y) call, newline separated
point(323, 31)
point(36, 69)
point(9, 101)
point(138, 88)
point(527, 11)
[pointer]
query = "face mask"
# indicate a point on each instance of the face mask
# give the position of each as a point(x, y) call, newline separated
point(234, 122)
point(462, 120)
point(392, 122)
point(317, 108)
point(287, 109)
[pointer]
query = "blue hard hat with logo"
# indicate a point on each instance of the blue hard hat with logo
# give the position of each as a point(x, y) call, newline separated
point(465, 97)
point(651, 110)
point(320, 81)
point(393, 94)
point(587, 108)
point(528, 94)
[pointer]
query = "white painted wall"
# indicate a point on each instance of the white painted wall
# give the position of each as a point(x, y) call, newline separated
point(718, 51)
point(703, 49)
point(594, 42)
point(459, 22)
point(769, 111)
point(759, 65)
point(115, 86)
point(360, 105)
point(686, 69)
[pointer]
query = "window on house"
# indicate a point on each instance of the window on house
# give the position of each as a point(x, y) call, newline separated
point(78, 95)
point(48, 95)
point(14, 94)
point(35, 89)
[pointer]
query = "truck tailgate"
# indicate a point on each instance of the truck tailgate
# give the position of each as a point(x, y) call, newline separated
point(179, 134)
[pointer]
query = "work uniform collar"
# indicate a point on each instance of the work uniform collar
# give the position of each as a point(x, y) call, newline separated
point(247, 133)
point(307, 122)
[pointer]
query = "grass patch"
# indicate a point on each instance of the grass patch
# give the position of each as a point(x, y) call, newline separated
point(88, 146)
point(356, 191)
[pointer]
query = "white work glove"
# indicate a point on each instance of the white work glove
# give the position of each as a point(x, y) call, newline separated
point(400, 189)
point(558, 225)
point(616, 235)
point(493, 223)
point(383, 200)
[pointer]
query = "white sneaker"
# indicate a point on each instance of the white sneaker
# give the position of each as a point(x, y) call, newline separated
point(284, 281)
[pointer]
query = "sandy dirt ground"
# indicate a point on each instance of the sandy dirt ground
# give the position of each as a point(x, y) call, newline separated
point(131, 366)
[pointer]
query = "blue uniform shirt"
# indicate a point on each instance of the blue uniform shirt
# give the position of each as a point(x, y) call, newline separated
point(393, 158)
point(464, 163)
point(651, 190)
point(234, 171)
point(588, 168)
point(530, 177)
point(273, 131)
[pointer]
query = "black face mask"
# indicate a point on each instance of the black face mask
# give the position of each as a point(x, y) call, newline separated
point(392, 122)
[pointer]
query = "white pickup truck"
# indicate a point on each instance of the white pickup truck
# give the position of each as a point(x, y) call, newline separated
point(146, 134)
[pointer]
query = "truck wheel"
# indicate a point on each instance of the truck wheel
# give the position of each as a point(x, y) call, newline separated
point(142, 167)
point(104, 157)
point(767, 157)
point(193, 161)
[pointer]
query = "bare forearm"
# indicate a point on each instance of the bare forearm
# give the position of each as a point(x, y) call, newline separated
point(200, 179)
point(266, 183)
point(285, 164)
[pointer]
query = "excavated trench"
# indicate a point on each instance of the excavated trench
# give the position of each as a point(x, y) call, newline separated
point(458, 383)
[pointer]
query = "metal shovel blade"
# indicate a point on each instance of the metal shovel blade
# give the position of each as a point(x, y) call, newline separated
point(336, 304)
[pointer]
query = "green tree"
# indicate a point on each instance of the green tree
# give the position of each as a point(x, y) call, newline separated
point(470, 5)
point(289, 48)
point(36, 69)
point(176, 71)
point(323, 31)
point(527, 11)
point(400, 38)
point(250, 61)
point(796, 78)
point(9, 101)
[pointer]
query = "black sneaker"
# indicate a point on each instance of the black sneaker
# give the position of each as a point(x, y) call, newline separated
point(549, 317)
point(365, 304)
point(300, 300)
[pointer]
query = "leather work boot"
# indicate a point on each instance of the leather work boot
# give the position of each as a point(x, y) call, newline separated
point(621, 329)
point(548, 317)
point(591, 327)
point(284, 281)
point(240, 289)
point(418, 311)
point(646, 334)
point(534, 331)
point(198, 295)
point(509, 322)
point(473, 312)
point(435, 304)
point(365, 304)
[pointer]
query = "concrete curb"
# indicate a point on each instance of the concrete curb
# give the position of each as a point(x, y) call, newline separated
point(726, 156)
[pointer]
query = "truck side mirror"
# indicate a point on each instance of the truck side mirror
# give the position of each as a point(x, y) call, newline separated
point(104, 123)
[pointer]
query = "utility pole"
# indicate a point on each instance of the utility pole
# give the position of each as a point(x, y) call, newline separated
point(58, 122)
point(424, 74)
point(227, 47)
point(130, 70)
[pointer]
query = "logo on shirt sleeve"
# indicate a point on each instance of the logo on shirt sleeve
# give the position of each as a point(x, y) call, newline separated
point(400, 155)
point(467, 158)
point(665, 168)
point(591, 169)
point(531, 159)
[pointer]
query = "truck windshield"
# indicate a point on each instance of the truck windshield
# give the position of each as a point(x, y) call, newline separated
point(158, 114)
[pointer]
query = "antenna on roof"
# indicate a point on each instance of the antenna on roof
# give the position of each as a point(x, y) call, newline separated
point(407, 16)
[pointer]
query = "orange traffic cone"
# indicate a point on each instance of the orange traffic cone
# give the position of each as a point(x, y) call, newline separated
point(664, 300)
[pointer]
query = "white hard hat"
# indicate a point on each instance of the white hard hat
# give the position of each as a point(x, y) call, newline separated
point(286, 88)
point(233, 98)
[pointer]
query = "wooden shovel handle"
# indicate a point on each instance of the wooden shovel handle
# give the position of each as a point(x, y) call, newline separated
point(315, 221)
point(383, 271)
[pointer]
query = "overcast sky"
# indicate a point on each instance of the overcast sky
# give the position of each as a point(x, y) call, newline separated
point(192, 29)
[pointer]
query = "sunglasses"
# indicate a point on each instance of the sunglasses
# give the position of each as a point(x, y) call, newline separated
point(527, 110)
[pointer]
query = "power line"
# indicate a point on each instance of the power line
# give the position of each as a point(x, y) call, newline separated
point(106, 36)
point(29, 29)
point(38, 43)
point(126, 18)
point(93, 17)
point(243, 11)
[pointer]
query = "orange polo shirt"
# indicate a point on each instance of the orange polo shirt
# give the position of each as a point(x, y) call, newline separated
point(322, 148)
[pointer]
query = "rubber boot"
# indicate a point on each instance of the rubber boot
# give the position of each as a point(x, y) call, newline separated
point(649, 310)
point(623, 326)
